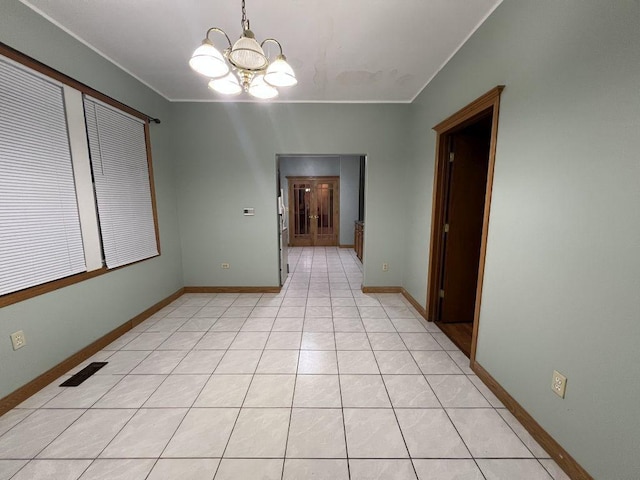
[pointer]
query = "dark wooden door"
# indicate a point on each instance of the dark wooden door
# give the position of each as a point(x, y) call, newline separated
point(464, 208)
point(314, 210)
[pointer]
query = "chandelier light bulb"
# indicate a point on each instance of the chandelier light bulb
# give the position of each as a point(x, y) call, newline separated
point(227, 85)
point(280, 74)
point(208, 61)
point(261, 89)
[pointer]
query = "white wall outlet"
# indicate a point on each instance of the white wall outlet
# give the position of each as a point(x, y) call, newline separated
point(559, 384)
point(18, 340)
point(385, 267)
point(225, 266)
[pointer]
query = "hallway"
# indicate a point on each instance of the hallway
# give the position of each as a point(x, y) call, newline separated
point(319, 381)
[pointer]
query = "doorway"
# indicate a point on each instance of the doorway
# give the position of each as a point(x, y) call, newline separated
point(462, 192)
point(314, 211)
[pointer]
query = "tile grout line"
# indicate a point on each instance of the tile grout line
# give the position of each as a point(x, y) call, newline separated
point(287, 283)
point(415, 471)
point(153, 393)
point(158, 387)
point(441, 405)
point(404, 440)
point(245, 395)
point(195, 399)
point(293, 394)
point(284, 460)
point(344, 423)
point(84, 413)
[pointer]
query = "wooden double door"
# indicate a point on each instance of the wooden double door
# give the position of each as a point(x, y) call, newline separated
point(314, 211)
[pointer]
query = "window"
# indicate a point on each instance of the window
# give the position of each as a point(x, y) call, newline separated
point(121, 175)
point(40, 235)
point(76, 185)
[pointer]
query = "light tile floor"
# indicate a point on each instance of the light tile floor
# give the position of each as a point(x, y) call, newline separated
point(320, 381)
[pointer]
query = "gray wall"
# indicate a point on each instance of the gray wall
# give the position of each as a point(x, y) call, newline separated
point(228, 161)
point(60, 323)
point(347, 167)
point(562, 281)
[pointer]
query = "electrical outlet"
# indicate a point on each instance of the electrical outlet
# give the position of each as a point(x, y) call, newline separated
point(385, 267)
point(18, 340)
point(559, 384)
point(225, 266)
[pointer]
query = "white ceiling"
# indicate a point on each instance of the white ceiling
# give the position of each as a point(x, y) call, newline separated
point(341, 50)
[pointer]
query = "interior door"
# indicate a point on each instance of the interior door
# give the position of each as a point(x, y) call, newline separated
point(314, 211)
point(326, 211)
point(467, 180)
point(300, 212)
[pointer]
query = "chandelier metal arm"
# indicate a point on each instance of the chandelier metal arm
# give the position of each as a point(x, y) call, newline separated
point(219, 30)
point(272, 40)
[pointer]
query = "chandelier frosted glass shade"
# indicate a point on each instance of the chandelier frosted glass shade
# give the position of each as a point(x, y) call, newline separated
point(247, 54)
point(208, 61)
point(227, 85)
point(261, 89)
point(280, 74)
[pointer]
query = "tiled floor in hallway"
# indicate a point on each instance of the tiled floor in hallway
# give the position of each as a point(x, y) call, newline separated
point(320, 381)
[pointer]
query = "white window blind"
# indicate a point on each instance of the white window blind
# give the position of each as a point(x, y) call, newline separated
point(121, 174)
point(40, 237)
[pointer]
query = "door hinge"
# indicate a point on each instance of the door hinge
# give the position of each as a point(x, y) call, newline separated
point(446, 228)
point(441, 293)
point(451, 155)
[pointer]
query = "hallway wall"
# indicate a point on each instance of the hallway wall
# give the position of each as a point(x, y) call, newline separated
point(228, 161)
point(347, 167)
point(59, 323)
point(563, 261)
point(349, 197)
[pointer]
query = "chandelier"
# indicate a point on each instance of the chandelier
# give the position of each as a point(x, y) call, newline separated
point(243, 65)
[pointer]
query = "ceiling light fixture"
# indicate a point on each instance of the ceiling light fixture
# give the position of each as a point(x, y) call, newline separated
point(243, 65)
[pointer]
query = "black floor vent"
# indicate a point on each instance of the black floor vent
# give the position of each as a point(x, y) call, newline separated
point(83, 374)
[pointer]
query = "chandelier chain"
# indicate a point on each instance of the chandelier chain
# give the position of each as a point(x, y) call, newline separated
point(244, 21)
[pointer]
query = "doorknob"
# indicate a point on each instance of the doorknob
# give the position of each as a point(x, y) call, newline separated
point(314, 216)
